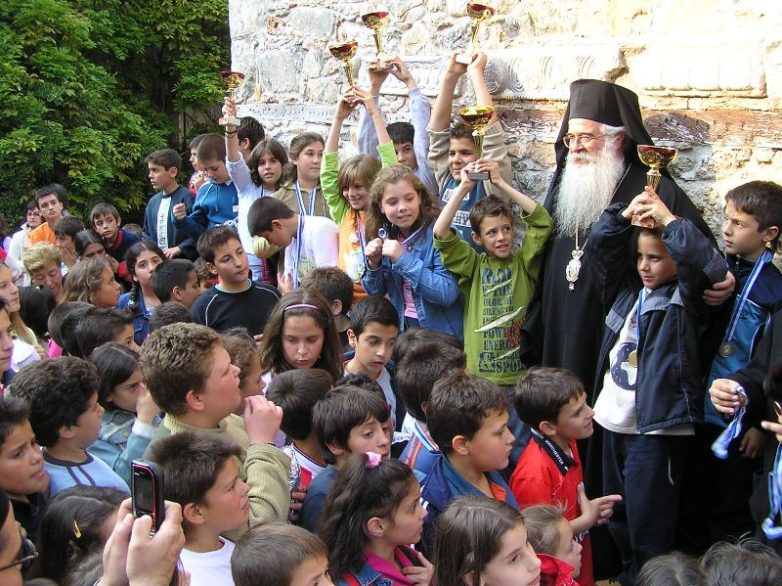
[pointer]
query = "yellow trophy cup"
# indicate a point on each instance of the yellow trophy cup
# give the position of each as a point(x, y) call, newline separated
point(232, 80)
point(479, 13)
point(656, 158)
point(477, 118)
point(345, 52)
point(377, 21)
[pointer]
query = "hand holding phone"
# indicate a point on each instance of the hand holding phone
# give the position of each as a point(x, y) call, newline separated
point(147, 492)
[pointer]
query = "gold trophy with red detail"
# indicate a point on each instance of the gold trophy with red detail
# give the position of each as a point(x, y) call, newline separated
point(656, 158)
point(345, 51)
point(233, 80)
point(377, 20)
point(477, 118)
point(479, 13)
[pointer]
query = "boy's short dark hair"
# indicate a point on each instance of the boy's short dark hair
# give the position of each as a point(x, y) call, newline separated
point(342, 409)
point(542, 391)
point(459, 404)
point(296, 392)
point(211, 148)
point(202, 270)
point(421, 363)
point(488, 207)
point(214, 237)
point(333, 283)
point(36, 305)
point(373, 309)
point(175, 360)
point(275, 551)
point(251, 129)
point(196, 140)
point(461, 130)
point(242, 349)
point(762, 200)
point(401, 132)
point(13, 411)
point(55, 189)
point(170, 312)
point(68, 226)
point(166, 158)
point(103, 209)
point(63, 321)
point(99, 325)
point(263, 211)
point(169, 274)
point(58, 392)
point(191, 463)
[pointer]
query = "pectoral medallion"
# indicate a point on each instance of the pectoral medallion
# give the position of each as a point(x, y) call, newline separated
point(574, 268)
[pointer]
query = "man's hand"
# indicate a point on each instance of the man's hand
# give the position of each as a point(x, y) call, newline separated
point(262, 419)
point(153, 559)
point(724, 396)
point(179, 211)
point(773, 427)
point(173, 252)
point(720, 292)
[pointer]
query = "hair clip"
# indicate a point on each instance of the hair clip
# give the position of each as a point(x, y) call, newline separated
point(373, 460)
point(76, 530)
point(302, 306)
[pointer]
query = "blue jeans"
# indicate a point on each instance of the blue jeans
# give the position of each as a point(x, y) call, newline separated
point(646, 470)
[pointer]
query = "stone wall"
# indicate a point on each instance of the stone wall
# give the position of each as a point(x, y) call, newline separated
point(708, 73)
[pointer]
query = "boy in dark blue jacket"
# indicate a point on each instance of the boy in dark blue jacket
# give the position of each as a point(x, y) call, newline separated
point(652, 383)
point(163, 169)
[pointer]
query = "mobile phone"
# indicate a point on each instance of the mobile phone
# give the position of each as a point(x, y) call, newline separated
point(147, 491)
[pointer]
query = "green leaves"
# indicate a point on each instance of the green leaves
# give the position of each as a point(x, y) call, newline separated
point(90, 87)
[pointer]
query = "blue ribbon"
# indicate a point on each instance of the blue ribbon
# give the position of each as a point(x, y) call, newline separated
point(771, 525)
point(721, 444)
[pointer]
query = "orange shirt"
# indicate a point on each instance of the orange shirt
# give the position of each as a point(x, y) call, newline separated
point(42, 233)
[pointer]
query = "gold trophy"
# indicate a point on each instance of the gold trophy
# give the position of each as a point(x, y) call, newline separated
point(656, 158)
point(479, 14)
point(377, 21)
point(477, 118)
point(232, 80)
point(345, 52)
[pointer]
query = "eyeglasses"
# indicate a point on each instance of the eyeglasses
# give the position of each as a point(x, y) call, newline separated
point(572, 140)
point(27, 555)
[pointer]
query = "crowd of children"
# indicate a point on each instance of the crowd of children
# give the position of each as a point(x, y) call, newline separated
point(322, 358)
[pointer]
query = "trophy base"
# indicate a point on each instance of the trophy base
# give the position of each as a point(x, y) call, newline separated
point(229, 121)
point(463, 58)
point(478, 175)
point(646, 223)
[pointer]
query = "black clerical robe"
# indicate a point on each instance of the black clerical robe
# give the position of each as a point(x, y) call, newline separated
point(565, 328)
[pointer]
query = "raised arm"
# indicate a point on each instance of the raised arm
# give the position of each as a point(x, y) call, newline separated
point(442, 227)
point(373, 112)
point(367, 138)
point(441, 113)
point(482, 96)
point(231, 136)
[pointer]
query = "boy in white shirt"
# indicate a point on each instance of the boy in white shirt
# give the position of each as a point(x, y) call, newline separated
point(201, 472)
point(309, 241)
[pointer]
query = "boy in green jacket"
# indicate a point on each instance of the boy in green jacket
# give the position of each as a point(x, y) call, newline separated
point(497, 284)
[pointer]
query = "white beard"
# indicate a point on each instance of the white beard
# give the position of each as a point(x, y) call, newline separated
point(585, 189)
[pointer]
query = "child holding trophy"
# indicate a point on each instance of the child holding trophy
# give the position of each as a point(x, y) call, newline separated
point(346, 186)
point(451, 148)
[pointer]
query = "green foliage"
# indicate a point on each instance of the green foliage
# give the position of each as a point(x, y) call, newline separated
point(89, 87)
